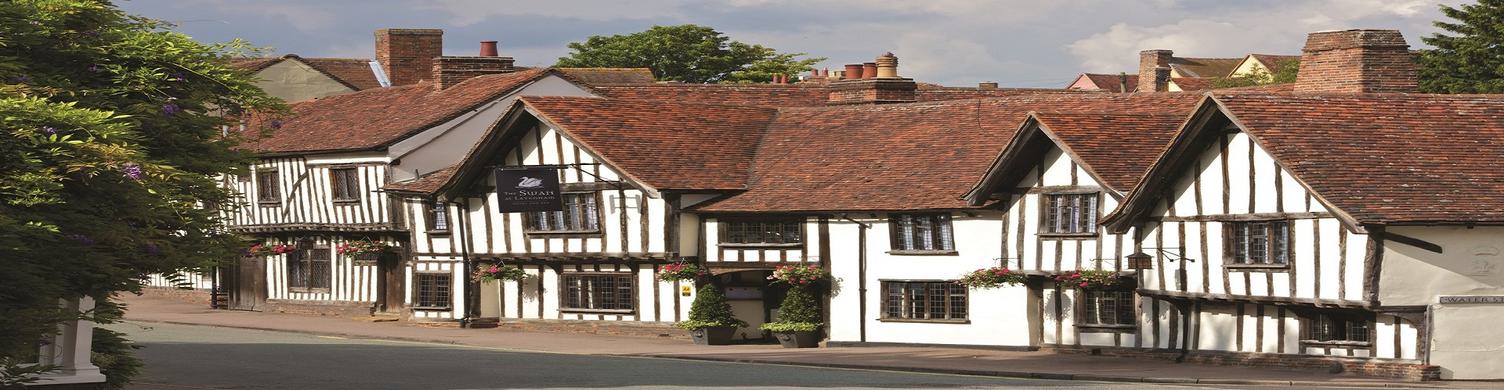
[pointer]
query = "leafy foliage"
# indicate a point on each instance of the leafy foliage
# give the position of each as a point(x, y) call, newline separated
point(991, 278)
point(1471, 58)
point(1088, 279)
point(799, 310)
point(710, 309)
point(1284, 72)
point(494, 272)
point(687, 53)
point(111, 143)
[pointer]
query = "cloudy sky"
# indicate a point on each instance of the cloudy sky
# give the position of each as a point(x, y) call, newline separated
point(1022, 43)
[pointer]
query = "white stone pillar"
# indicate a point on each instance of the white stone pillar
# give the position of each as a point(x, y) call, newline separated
point(70, 350)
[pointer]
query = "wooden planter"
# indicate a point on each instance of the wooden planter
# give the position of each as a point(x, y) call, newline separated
point(715, 335)
point(798, 339)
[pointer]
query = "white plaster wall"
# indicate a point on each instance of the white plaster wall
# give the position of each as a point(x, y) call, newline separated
point(1471, 263)
point(293, 81)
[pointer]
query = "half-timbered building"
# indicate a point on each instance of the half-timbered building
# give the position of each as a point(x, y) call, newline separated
point(1053, 181)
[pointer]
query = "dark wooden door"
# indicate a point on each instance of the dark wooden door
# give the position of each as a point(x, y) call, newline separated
point(389, 284)
point(248, 284)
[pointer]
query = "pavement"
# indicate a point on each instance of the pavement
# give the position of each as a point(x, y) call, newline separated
point(1037, 365)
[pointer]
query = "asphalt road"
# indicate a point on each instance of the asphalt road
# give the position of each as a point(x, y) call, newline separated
point(189, 357)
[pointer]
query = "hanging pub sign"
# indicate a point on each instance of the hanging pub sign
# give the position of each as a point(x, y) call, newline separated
point(520, 189)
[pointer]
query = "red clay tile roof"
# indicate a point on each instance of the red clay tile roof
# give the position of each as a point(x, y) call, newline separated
point(353, 71)
point(376, 117)
point(1204, 67)
point(1387, 158)
point(427, 183)
point(790, 95)
point(1113, 82)
point(609, 76)
point(766, 95)
point(1190, 84)
point(1116, 147)
point(666, 145)
point(897, 157)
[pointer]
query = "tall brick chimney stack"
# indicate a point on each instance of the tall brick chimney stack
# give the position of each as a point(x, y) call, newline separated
point(1151, 78)
point(1357, 61)
point(451, 70)
point(406, 54)
point(881, 85)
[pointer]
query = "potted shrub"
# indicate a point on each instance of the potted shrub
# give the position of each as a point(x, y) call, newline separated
point(710, 319)
point(798, 324)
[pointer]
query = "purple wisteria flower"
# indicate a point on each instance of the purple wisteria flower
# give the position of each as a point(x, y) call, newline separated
point(151, 249)
point(179, 77)
point(21, 79)
point(49, 129)
point(131, 171)
point(171, 109)
point(94, 68)
point(276, 123)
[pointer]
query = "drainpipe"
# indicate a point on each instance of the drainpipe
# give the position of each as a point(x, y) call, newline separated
point(861, 281)
point(470, 290)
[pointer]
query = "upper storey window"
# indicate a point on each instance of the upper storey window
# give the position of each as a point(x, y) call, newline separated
point(1257, 243)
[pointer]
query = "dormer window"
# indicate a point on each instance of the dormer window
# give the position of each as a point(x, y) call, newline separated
point(1069, 214)
point(921, 234)
point(1259, 243)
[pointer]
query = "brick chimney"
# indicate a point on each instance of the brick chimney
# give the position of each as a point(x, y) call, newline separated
point(1357, 61)
point(1150, 77)
point(451, 70)
point(882, 85)
point(406, 54)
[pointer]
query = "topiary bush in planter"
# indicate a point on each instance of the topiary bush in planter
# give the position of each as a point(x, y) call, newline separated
point(798, 322)
point(710, 319)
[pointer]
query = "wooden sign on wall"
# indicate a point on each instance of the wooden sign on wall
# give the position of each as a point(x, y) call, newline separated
point(520, 189)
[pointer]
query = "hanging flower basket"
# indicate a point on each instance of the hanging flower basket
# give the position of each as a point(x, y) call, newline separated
point(494, 272)
point(799, 275)
point(267, 250)
point(1088, 279)
point(363, 249)
point(994, 277)
point(680, 271)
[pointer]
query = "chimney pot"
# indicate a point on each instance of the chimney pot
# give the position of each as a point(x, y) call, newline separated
point(488, 49)
point(869, 70)
point(853, 72)
point(887, 66)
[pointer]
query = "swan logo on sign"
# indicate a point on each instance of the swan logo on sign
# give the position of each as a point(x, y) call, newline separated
point(523, 189)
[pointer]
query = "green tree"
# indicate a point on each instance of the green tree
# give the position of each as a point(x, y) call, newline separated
point(1471, 58)
point(1284, 72)
point(110, 144)
point(687, 53)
